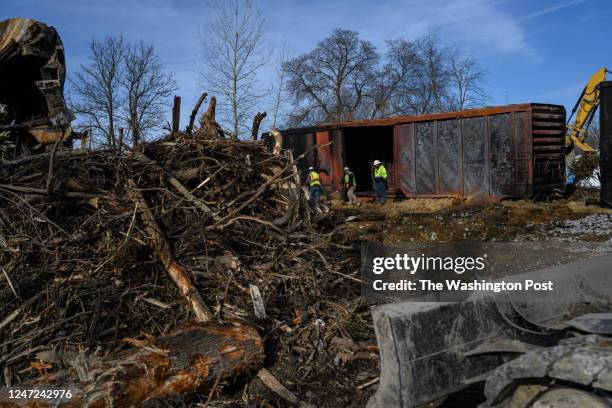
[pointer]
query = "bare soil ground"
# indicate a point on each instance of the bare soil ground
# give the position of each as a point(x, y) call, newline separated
point(449, 220)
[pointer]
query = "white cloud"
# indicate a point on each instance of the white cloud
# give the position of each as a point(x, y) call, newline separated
point(480, 23)
point(549, 10)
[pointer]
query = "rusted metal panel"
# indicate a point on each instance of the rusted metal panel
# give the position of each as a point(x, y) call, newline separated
point(324, 158)
point(501, 152)
point(426, 160)
point(508, 151)
point(521, 164)
point(468, 113)
point(311, 153)
point(476, 176)
point(548, 147)
point(337, 149)
point(450, 167)
point(405, 169)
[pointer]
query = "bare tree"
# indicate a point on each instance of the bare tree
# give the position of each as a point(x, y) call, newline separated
point(233, 55)
point(593, 132)
point(466, 78)
point(277, 89)
point(332, 81)
point(341, 79)
point(123, 84)
point(97, 86)
point(147, 88)
point(395, 82)
point(431, 91)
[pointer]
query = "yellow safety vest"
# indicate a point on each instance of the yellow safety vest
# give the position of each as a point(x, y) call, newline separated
point(314, 179)
point(380, 171)
point(347, 178)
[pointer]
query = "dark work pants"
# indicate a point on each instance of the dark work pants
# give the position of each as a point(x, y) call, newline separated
point(315, 193)
point(381, 191)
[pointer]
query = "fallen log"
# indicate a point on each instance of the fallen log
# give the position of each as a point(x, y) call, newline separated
point(171, 367)
point(161, 248)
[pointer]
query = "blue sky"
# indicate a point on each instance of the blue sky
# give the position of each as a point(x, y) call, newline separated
point(533, 50)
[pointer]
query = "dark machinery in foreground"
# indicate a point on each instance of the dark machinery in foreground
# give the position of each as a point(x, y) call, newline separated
point(33, 111)
point(605, 143)
point(549, 350)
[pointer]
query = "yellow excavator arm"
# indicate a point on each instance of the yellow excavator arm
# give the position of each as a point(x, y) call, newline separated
point(585, 110)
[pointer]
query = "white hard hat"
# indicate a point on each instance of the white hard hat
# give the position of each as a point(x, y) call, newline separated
point(346, 168)
point(311, 168)
point(376, 162)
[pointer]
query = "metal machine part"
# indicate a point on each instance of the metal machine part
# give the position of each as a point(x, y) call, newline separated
point(577, 373)
point(585, 109)
point(430, 350)
point(32, 72)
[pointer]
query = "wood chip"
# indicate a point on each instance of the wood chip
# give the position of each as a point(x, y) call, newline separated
point(274, 385)
point(157, 303)
point(258, 304)
point(368, 383)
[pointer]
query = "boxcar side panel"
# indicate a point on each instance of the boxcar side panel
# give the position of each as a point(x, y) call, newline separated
point(511, 151)
point(426, 161)
point(449, 157)
point(324, 158)
point(474, 163)
point(521, 179)
point(337, 168)
point(501, 153)
point(403, 148)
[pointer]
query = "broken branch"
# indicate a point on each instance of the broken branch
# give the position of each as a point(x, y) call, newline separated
point(194, 112)
point(161, 248)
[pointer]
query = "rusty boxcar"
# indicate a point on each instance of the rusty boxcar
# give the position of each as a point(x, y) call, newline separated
point(495, 152)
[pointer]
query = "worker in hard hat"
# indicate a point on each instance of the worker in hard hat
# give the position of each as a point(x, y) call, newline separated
point(350, 184)
point(313, 181)
point(380, 181)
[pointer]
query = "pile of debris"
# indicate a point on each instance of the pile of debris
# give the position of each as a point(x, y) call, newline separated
point(586, 166)
point(169, 271)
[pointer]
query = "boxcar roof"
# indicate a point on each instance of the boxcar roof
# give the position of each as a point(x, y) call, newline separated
point(393, 120)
